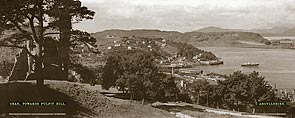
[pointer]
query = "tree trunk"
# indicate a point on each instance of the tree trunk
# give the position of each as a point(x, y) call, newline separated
point(207, 100)
point(142, 101)
point(39, 65)
point(143, 98)
point(131, 96)
point(238, 105)
point(254, 109)
point(198, 100)
point(39, 47)
point(65, 35)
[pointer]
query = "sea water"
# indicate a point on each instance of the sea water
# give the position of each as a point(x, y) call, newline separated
point(276, 65)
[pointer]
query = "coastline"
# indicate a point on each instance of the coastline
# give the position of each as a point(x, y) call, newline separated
point(247, 46)
point(276, 63)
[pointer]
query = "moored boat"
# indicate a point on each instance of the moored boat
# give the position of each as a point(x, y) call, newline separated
point(211, 62)
point(216, 62)
point(249, 64)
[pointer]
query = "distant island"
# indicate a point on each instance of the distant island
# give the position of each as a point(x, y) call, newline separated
point(273, 32)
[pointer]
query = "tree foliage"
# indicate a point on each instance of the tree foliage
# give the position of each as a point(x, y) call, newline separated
point(244, 89)
point(238, 91)
point(5, 68)
point(135, 72)
point(36, 19)
point(198, 89)
point(208, 56)
point(189, 51)
point(85, 74)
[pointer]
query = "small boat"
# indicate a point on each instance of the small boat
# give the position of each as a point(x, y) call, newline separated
point(216, 62)
point(249, 64)
point(211, 62)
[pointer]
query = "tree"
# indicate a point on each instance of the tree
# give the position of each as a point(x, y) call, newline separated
point(215, 98)
point(21, 14)
point(29, 18)
point(168, 90)
point(86, 74)
point(135, 72)
point(244, 89)
point(62, 12)
point(208, 56)
point(260, 89)
point(198, 88)
point(110, 72)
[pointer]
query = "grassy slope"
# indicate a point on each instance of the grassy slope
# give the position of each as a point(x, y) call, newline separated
point(80, 101)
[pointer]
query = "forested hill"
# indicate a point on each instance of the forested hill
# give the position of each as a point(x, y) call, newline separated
point(195, 38)
point(158, 47)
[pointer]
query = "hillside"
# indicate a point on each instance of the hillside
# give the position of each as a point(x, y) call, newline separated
point(224, 39)
point(85, 101)
point(163, 50)
point(108, 36)
point(79, 100)
point(217, 29)
point(275, 31)
point(195, 38)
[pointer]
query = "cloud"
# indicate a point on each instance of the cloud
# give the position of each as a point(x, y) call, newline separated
point(187, 15)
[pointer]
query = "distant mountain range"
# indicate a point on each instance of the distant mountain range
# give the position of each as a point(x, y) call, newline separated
point(276, 31)
point(218, 29)
point(227, 38)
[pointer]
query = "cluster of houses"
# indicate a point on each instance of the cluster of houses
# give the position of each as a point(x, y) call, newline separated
point(285, 43)
point(178, 61)
point(286, 94)
point(189, 77)
point(130, 43)
point(86, 50)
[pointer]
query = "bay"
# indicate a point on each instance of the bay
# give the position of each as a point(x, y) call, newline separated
point(276, 65)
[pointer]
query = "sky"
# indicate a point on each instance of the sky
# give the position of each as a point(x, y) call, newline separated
point(188, 15)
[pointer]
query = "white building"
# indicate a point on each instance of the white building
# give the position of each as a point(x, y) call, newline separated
point(129, 48)
point(117, 45)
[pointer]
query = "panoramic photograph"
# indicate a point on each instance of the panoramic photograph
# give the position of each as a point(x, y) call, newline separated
point(147, 58)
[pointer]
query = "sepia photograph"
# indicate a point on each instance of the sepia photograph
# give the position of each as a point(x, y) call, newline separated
point(147, 58)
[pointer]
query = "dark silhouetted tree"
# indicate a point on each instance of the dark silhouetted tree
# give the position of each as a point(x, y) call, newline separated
point(135, 72)
point(33, 20)
point(244, 89)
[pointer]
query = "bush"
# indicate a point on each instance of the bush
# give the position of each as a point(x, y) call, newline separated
point(267, 43)
point(208, 56)
point(79, 73)
point(5, 68)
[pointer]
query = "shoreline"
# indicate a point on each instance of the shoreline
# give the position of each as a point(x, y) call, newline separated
point(258, 47)
point(282, 74)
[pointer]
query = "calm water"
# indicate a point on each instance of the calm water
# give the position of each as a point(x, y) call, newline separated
point(277, 65)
